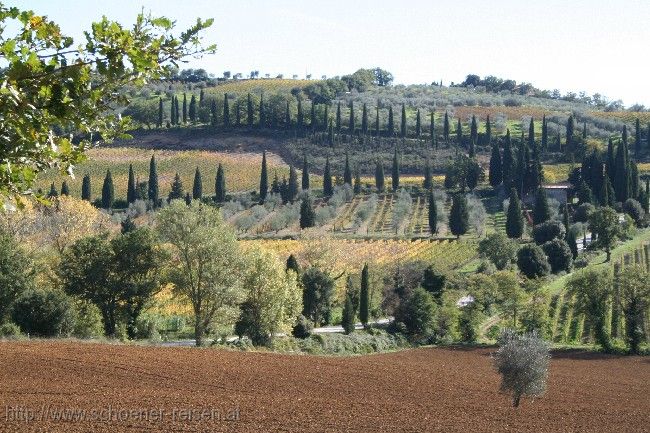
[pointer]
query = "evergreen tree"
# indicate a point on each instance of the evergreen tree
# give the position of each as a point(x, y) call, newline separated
point(176, 192)
point(446, 128)
point(395, 171)
point(570, 126)
point(459, 133)
point(432, 130)
point(313, 122)
point(472, 149)
point(637, 139)
point(197, 186)
point(508, 163)
point(201, 97)
point(327, 179)
point(347, 173)
point(86, 191)
point(544, 133)
point(330, 135)
point(326, 117)
point(377, 121)
point(351, 125)
point(192, 110)
point(488, 131)
point(531, 134)
point(300, 119)
point(428, 177)
point(53, 192)
point(262, 113)
point(188, 198)
point(541, 210)
point(305, 173)
point(237, 114)
point(403, 123)
point(307, 215)
point(338, 118)
point(178, 112)
point(172, 111)
point(418, 124)
point(264, 179)
point(184, 108)
point(364, 120)
point(348, 315)
point(379, 176)
point(153, 191)
point(287, 116)
point(250, 115)
point(65, 190)
point(622, 173)
point(108, 191)
point(473, 131)
point(220, 185)
point(130, 191)
point(433, 213)
point(459, 215)
point(292, 188)
point(160, 113)
point(292, 264)
point(226, 111)
point(364, 297)
point(357, 181)
point(214, 119)
point(514, 219)
point(495, 174)
point(391, 122)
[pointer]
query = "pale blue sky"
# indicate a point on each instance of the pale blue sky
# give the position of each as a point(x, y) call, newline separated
point(592, 45)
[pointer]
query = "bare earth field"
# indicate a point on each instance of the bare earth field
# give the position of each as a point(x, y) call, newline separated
point(435, 389)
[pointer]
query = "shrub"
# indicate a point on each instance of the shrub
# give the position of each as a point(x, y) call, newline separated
point(546, 232)
point(499, 249)
point(417, 313)
point(302, 328)
point(583, 212)
point(46, 313)
point(634, 209)
point(9, 330)
point(522, 361)
point(532, 261)
point(88, 323)
point(559, 255)
point(469, 322)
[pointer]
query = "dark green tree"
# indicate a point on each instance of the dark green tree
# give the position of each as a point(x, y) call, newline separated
point(459, 215)
point(432, 130)
point(433, 213)
point(348, 315)
point(220, 185)
point(176, 191)
point(262, 113)
point(570, 127)
point(160, 113)
point(364, 120)
point(250, 115)
point(508, 167)
point(357, 181)
point(108, 191)
point(184, 108)
point(292, 264)
point(264, 179)
point(197, 186)
point(488, 131)
point(153, 191)
point(379, 176)
point(53, 192)
point(428, 176)
point(541, 210)
point(514, 218)
point(327, 179)
point(65, 190)
point(446, 128)
point(318, 292)
point(226, 111)
point(130, 190)
point(364, 297)
point(391, 122)
point(495, 174)
point(459, 133)
point(347, 172)
point(403, 126)
point(637, 139)
point(192, 109)
point(305, 173)
point(292, 187)
point(86, 190)
point(544, 133)
point(418, 124)
point(621, 181)
point(395, 171)
point(351, 125)
point(338, 118)
point(473, 131)
point(307, 214)
point(300, 119)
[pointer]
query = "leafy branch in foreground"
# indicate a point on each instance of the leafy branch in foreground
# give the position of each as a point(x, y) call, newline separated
point(56, 99)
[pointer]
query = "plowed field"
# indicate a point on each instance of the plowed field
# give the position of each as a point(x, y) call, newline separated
point(447, 390)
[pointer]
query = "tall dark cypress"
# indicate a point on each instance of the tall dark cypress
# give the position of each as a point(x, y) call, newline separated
point(637, 139)
point(108, 191)
point(473, 131)
point(488, 131)
point(86, 192)
point(250, 115)
point(622, 173)
point(351, 125)
point(237, 114)
point(172, 111)
point(65, 189)
point(292, 187)
point(305, 173)
point(495, 174)
point(153, 191)
point(418, 124)
point(432, 130)
point(433, 213)
point(446, 128)
point(570, 126)
point(459, 215)
point(330, 135)
point(287, 116)
point(364, 120)
point(428, 178)
point(313, 122)
point(508, 164)
point(327, 179)
point(391, 122)
point(262, 113)
point(610, 163)
point(220, 185)
point(395, 171)
point(544, 133)
point(160, 113)
point(514, 219)
point(307, 214)
point(379, 176)
point(197, 186)
point(53, 191)
point(176, 192)
point(338, 118)
point(184, 108)
point(300, 119)
point(377, 121)
point(326, 117)
point(347, 172)
point(364, 297)
point(214, 119)
point(226, 111)
point(357, 181)
point(264, 179)
point(192, 111)
point(403, 125)
point(459, 133)
point(130, 190)
point(541, 210)
point(584, 130)
point(531, 134)
point(178, 113)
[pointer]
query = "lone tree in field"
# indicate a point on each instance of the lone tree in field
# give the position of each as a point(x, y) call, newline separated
point(523, 362)
point(459, 216)
point(153, 191)
point(220, 185)
point(86, 190)
point(197, 186)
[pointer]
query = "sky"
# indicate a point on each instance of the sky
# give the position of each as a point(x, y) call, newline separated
point(571, 45)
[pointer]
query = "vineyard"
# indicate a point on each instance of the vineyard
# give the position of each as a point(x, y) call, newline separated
point(273, 85)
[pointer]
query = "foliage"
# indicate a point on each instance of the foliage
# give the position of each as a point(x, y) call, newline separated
point(302, 328)
point(532, 261)
point(522, 361)
point(16, 273)
point(318, 291)
point(593, 289)
point(45, 313)
point(604, 223)
point(635, 299)
point(499, 249)
point(514, 218)
point(458, 215)
point(548, 231)
point(559, 255)
point(418, 313)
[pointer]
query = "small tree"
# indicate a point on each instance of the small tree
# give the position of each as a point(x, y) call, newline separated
point(327, 179)
point(635, 299)
point(364, 297)
point(523, 362)
point(541, 211)
point(559, 254)
point(318, 291)
point(86, 190)
point(45, 313)
point(379, 177)
point(16, 274)
point(433, 214)
point(307, 214)
point(499, 249)
point(593, 289)
point(532, 261)
point(197, 186)
point(131, 187)
point(220, 185)
point(349, 310)
point(434, 283)
point(153, 191)
point(604, 223)
point(514, 219)
point(417, 313)
point(108, 191)
point(459, 215)
point(264, 178)
point(176, 192)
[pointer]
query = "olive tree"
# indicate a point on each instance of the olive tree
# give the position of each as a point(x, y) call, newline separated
point(206, 261)
point(523, 362)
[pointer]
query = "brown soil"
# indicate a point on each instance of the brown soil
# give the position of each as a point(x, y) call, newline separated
point(450, 390)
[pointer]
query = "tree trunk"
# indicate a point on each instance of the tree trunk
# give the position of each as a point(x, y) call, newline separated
point(198, 332)
point(515, 400)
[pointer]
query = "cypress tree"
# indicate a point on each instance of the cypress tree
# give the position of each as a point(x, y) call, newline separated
point(197, 186)
point(192, 112)
point(327, 179)
point(584, 130)
point(473, 134)
point(313, 123)
point(262, 111)
point(214, 118)
point(130, 191)
point(377, 121)
point(172, 111)
point(338, 118)
point(488, 131)
point(160, 112)
point(300, 119)
point(347, 173)
point(264, 179)
point(330, 135)
point(364, 297)
point(565, 219)
point(249, 111)
point(188, 199)
point(292, 188)
point(307, 215)
point(514, 219)
point(326, 117)
point(621, 173)
point(226, 111)
point(357, 181)
point(418, 124)
point(495, 174)
point(472, 148)
point(108, 191)
point(508, 163)
point(351, 125)
point(428, 178)
point(153, 191)
point(433, 213)
point(176, 192)
point(432, 130)
point(637, 139)
point(184, 108)
point(53, 192)
point(610, 167)
point(65, 190)
point(220, 185)
point(305, 173)
point(86, 192)
point(403, 122)
point(459, 133)
point(237, 114)
point(570, 126)
point(379, 176)
point(201, 96)
point(446, 128)
point(459, 215)
point(541, 210)
point(391, 122)
point(395, 171)
point(287, 116)
point(364, 120)
point(292, 264)
point(178, 112)
point(531, 134)
point(347, 316)
point(544, 133)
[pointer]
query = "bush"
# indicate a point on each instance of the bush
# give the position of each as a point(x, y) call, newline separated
point(559, 255)
point(634, 209)
point(46, 313)
point(499, 249)
point(532, 261)
point(88, 323)
point(9, 330)
point(546, 232)
point(583, 212)
point(522, 361)
point(302, 328)
point(417, 313)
